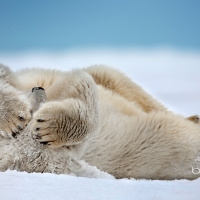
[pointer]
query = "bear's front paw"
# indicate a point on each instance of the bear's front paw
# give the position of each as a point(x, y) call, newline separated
point(14, 112)
point(57, 124)
point(47, 125)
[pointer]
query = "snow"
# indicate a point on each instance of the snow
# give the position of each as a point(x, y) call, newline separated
point(172, 76)
point(21, 185)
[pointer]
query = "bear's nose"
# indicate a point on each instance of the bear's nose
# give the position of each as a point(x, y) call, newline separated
point(37, 88)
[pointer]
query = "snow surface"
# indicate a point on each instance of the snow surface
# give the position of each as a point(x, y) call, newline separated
point(171, 76)
point(21, 185)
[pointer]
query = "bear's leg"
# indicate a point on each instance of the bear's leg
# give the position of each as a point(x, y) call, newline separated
point(14, 106)
point(72, 120)
point(119, 83)
point(116, 81)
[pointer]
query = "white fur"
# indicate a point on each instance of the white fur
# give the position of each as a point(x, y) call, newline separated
point(99, 115)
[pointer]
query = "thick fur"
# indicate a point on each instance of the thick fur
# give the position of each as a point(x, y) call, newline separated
point(99, 115)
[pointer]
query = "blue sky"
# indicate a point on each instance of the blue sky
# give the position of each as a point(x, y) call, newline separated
point(59, 25)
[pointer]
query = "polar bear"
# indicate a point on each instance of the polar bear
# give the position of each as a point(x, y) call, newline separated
point(98, 115)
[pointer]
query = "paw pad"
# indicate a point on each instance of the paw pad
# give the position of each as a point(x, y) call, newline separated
point(37, 88)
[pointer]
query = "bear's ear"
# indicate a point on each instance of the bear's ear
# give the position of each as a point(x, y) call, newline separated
point(194, 118)
point(36, 96)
